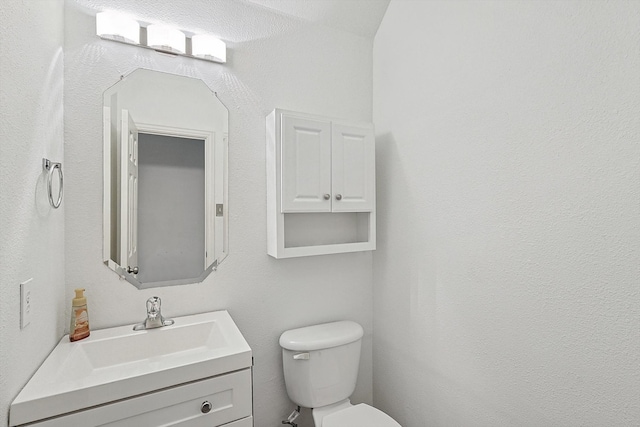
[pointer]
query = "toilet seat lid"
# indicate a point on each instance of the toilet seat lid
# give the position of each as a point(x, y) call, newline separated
point(361, 415)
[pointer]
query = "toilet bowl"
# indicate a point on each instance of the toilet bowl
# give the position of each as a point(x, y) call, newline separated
point(320, 364)
point(347, 415)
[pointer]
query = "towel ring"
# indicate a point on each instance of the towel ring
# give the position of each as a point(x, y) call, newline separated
point(50, 166)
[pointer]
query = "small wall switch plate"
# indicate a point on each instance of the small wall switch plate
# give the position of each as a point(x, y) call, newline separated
point(26, 303)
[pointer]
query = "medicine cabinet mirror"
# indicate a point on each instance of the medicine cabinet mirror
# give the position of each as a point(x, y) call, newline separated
point(165, 179)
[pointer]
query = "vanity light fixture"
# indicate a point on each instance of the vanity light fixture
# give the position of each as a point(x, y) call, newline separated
point(208, 47)
point(117, 27)
point(166, 39)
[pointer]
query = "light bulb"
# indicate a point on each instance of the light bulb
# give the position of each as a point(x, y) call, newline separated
point(117, 27)
point(166, 39)
point(208, 47)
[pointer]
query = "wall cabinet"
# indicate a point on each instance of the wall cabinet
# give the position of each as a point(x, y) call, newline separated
point(320, 185)
point(221, 400)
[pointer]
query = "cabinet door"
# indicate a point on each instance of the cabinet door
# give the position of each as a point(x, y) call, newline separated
point(353, 171)
point(306, 165)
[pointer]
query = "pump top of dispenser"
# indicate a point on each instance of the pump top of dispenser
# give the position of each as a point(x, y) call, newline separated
point(80, 299)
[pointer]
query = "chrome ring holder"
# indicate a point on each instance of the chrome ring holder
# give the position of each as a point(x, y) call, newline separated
point(50, 167)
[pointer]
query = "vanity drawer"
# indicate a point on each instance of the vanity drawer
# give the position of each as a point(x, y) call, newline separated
point(245, 422)
point(229, 396)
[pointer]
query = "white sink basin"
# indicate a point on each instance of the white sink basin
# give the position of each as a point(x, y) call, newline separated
point(118, 363)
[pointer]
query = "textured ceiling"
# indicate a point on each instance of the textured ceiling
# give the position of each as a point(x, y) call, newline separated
point(361, 17)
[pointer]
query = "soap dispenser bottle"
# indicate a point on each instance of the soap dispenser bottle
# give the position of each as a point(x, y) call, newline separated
point(79, 328)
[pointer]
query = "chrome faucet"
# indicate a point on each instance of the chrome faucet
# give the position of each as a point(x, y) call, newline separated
point(154, 316)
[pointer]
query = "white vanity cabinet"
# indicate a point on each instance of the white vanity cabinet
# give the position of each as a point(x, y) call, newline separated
point(320, 185)
point(195, 372)
point(222, 400)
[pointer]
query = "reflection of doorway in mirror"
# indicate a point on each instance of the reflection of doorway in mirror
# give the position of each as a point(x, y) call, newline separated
point(171, 208)
point(129, 194)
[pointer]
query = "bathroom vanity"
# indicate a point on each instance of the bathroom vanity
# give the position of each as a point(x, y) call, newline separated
point(197, 372)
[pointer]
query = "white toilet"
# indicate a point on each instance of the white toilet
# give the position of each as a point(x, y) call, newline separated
point(320, 370)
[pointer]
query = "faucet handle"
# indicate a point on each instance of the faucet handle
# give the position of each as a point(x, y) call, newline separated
point(153, 306)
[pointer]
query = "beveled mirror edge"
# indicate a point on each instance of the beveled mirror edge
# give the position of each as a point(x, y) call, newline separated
point(132, 279)
point(107, 195)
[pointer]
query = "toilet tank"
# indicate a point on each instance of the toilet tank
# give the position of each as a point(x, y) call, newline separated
point(320, 362)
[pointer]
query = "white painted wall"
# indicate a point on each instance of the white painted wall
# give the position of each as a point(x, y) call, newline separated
point(508, 262)
point(274, 61)
point(31, 232)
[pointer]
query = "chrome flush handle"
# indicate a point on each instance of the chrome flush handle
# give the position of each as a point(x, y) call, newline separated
point(301, 356)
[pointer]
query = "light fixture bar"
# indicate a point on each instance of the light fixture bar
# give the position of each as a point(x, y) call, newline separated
point(159, 37)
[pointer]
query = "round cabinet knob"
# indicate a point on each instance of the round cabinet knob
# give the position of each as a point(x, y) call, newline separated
point(327, 196)
point(206, 407)
point(338, 196)
point(133, 270)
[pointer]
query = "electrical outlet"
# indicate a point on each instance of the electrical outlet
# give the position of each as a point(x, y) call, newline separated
point(26, 303)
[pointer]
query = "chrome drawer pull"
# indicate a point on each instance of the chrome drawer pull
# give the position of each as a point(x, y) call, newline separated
point(206, 407)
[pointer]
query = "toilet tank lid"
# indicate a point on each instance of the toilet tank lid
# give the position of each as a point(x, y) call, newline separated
point(322, 336)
